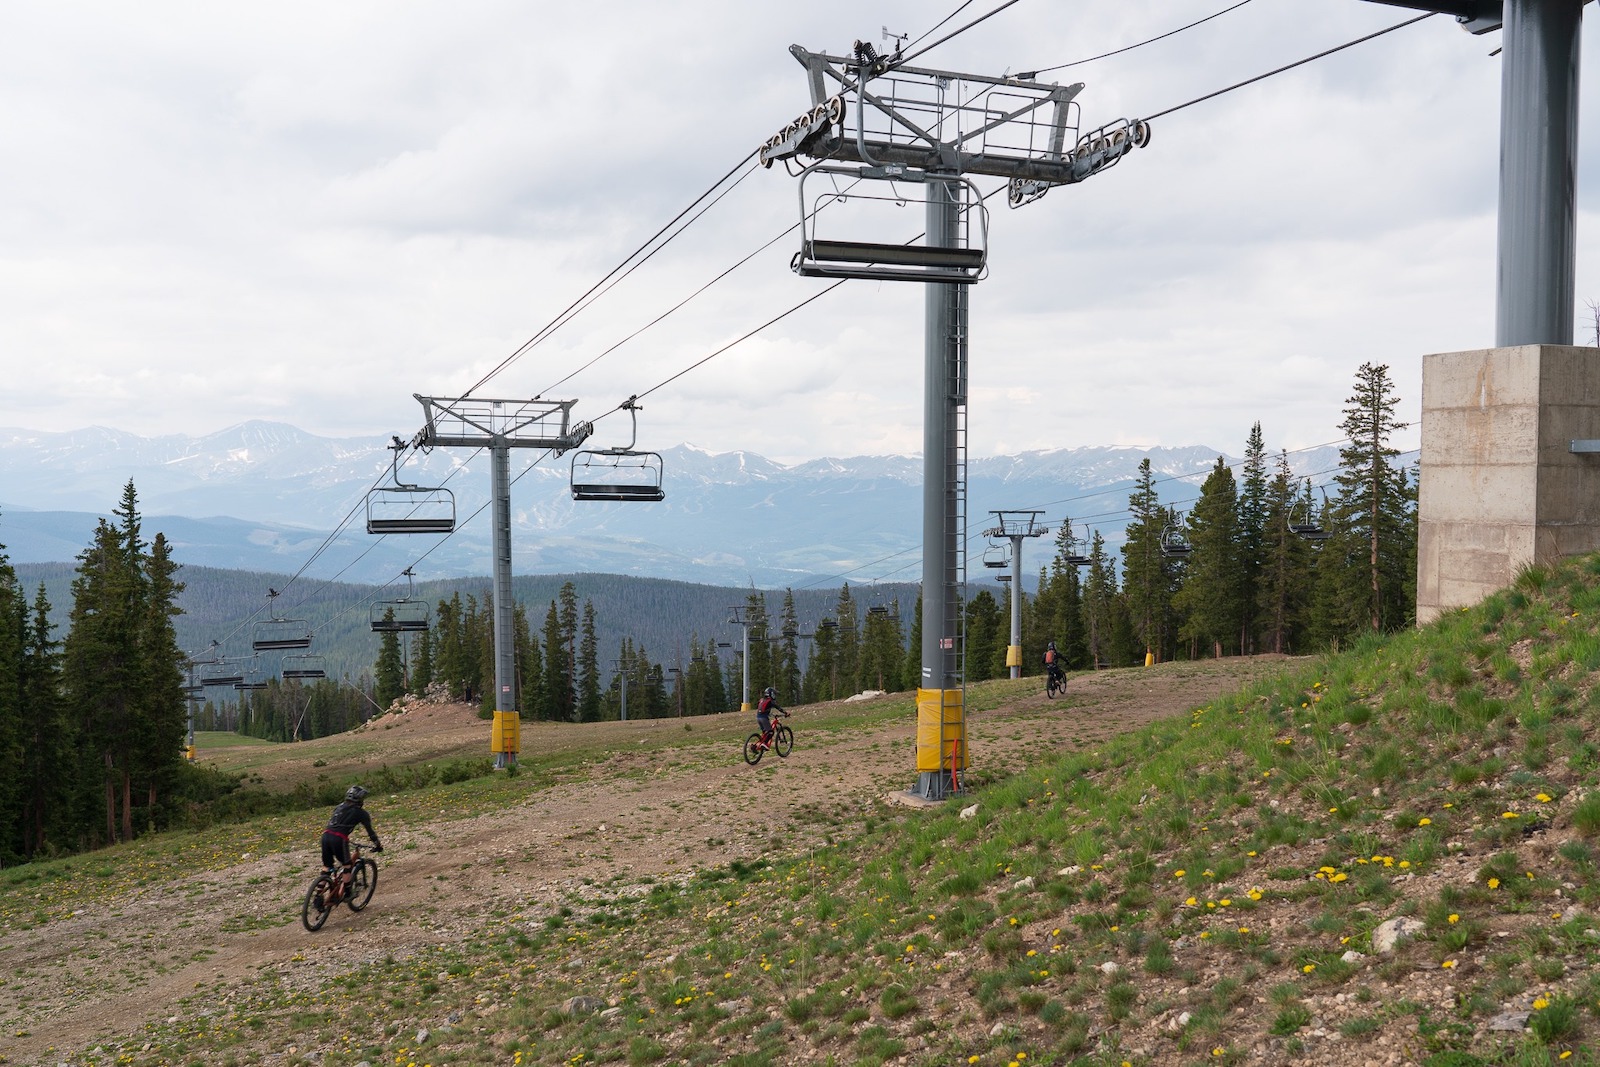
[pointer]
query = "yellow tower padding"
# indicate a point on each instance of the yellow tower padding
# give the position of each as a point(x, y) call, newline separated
point(190, 753)
point(506, 733)
point(1013, 655)
point(941, 730)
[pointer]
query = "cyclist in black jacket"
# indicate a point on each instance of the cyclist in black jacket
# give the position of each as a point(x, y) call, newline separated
point(345, 818)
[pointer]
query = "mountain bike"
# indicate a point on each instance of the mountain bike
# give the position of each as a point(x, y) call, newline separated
point(1055, 684)
point(351, 885)
point(779, 739)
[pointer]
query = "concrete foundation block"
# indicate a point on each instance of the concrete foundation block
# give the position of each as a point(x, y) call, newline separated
point(1500, 487)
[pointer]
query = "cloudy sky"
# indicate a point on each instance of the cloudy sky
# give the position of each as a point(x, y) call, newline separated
point(308, 212)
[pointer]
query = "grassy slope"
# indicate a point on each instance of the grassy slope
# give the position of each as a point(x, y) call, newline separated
point(1185, 894)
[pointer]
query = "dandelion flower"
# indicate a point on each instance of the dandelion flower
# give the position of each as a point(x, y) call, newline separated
point(1494, 883)
point(1448, 964)
point(1454, 918)
point(1543, 798)
point(1424, 821)
point(1308, 968)
point(1541, 1003)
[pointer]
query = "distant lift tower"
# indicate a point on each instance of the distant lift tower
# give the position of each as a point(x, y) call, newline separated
point(500, 426)
point(884, 134)
point(1016, 525)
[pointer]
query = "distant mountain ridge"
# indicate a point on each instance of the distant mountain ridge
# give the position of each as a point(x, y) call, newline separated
point(263, 496)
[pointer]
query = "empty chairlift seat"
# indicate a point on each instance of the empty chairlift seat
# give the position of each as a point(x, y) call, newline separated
point(875, 198)
point(409, 509)
point(400, 616)
point(303, 668)
point(280, 635)
point(618, 474)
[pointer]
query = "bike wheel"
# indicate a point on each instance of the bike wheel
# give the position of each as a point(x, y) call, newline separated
point(752, 749)
point(783, 741)
point(314, 912)
point(362, 883)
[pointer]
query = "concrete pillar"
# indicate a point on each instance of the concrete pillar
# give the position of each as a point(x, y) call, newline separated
point(1500, 485)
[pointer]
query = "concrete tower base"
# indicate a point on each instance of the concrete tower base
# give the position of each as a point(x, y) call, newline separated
point(1501, 485)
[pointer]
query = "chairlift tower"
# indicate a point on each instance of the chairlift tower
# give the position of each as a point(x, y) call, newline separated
point(737, 617)
point(499, 426)
point(1017, 526)
point(875, 120)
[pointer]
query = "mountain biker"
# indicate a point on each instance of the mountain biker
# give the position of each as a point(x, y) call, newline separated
point(345, 818)
point(764, 711)
point(1052, 662)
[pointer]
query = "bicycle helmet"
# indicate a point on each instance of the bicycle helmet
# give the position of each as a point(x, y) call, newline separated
point(355, 794)
point(770, 693)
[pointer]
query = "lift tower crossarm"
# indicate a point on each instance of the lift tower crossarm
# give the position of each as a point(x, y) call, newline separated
point(499, 426)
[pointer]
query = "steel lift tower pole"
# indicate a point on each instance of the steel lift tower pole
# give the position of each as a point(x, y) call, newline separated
point(875, 121)
point(1016, 526)
point(1536, 260)
point(736, 617)
point(499, 426)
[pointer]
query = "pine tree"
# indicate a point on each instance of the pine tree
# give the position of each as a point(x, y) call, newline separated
point(1371, 518)
point(983, 636)
point(1285, 580)
point(786, 668)
point(13, 650)
point(588, 668)
point(1148, 577)
point(1253, 492)
point(1100, 604)
point(47, 774)
point(882, 652)
point(422, 663)
point(555, 685)
point(848, 647)
point(387, 674)
point(1212, 596)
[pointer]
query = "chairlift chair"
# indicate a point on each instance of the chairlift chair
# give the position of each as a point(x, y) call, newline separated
point(618, 474)
point(303, 668)
point(404, 615)
point(1174, 545)
point(227, 676)
point(1304, 520)
point(404, 508)
point(994, 556)
point(821, 257)
point(280, 635)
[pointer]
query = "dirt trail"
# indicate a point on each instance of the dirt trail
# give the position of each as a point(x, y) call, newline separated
point(114, 966)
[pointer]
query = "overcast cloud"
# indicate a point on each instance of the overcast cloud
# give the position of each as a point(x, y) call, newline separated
point(309, 212)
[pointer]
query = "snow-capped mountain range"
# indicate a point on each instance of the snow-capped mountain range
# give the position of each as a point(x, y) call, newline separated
point(264, 496)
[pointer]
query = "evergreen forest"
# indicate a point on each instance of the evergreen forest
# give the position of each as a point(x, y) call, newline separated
point(94, 713)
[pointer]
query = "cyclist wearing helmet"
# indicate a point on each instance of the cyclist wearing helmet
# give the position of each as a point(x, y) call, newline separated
point(1052, 662)
point(345, 818)
point(764, 709)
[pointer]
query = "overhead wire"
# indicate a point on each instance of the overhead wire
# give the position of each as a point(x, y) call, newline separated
point(1033, 74)
point(565, 314)
point(1290, 66)
point(628, 264)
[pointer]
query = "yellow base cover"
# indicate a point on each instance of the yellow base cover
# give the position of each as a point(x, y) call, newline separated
point(506, 733)
point(1013, 655)
point(941, 730)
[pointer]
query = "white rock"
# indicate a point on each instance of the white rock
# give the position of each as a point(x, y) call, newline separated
point(1352, 956)
point(1110, 967)
point(1392, 932)
point(1026, 883)
point(1066, 871)
point(969, 812)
